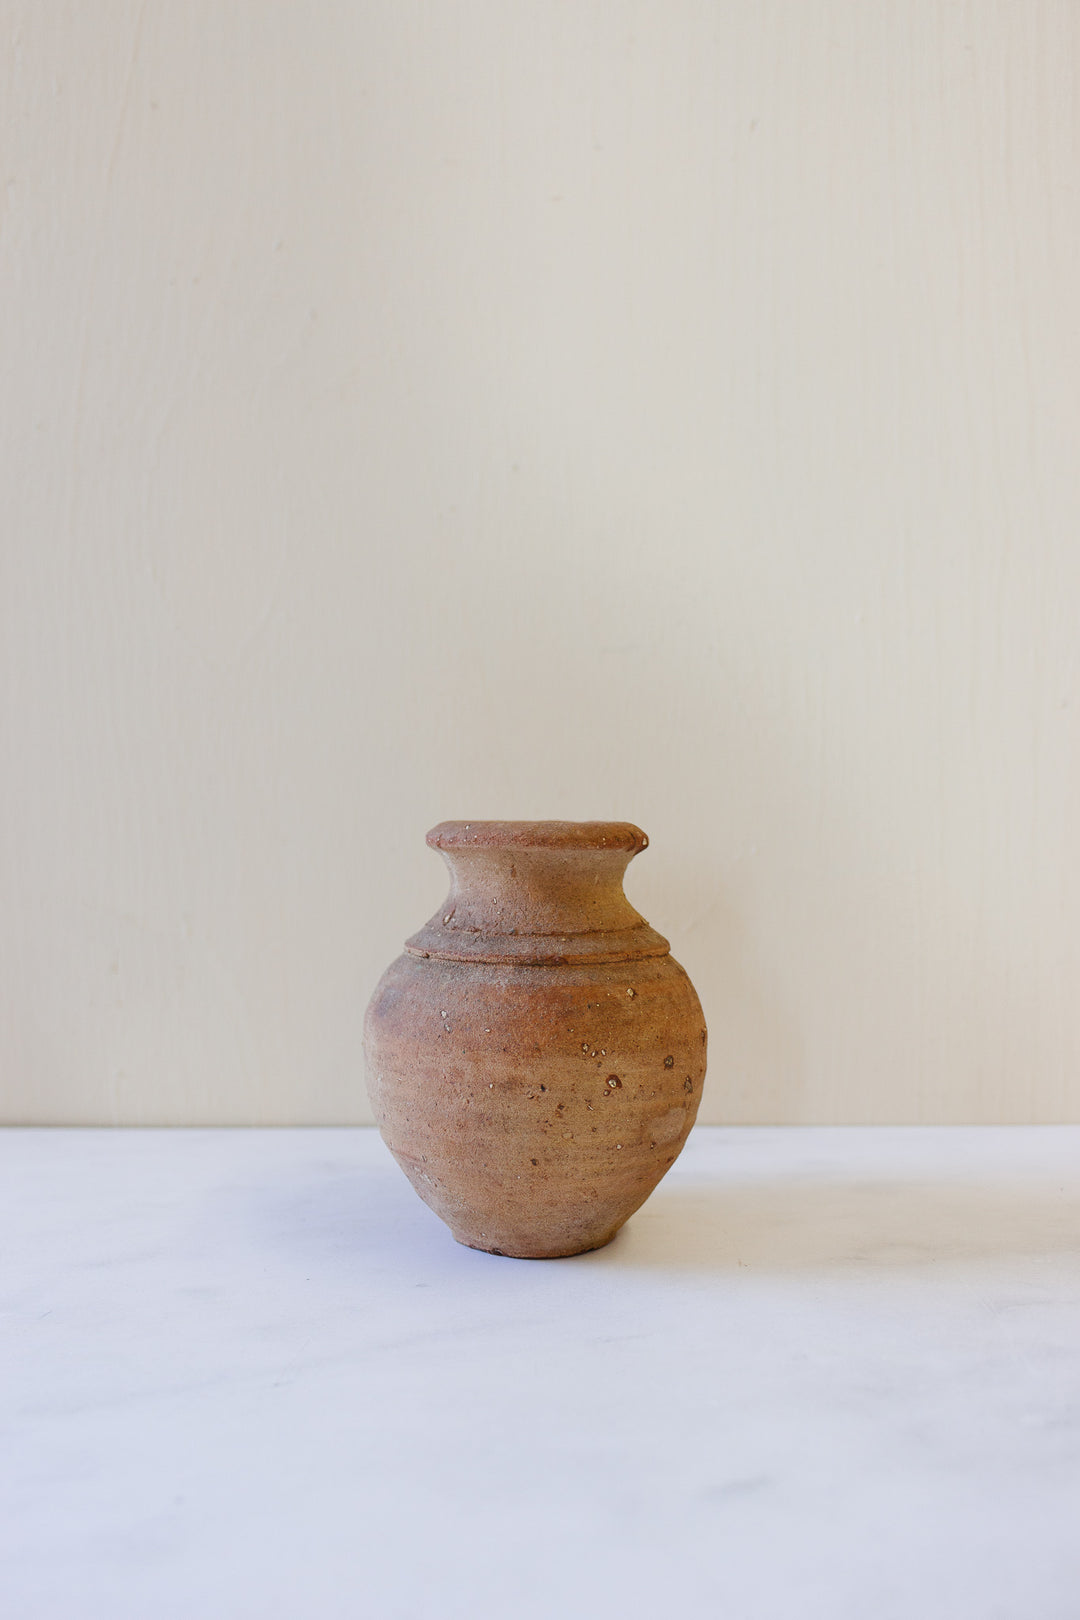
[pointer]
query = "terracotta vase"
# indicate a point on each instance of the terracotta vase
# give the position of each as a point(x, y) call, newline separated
point(535, 1058)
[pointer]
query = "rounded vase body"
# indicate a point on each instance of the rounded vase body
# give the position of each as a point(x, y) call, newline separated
point(535, 1057)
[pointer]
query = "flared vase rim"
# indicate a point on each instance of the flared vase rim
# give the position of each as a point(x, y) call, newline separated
point(598, 836)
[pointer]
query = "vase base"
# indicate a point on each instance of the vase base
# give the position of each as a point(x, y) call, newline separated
point(518, 1251)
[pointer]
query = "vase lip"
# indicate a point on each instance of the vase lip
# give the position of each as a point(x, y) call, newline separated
point(556, 835)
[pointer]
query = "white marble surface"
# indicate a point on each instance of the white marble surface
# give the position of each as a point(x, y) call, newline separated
point(823, 1375)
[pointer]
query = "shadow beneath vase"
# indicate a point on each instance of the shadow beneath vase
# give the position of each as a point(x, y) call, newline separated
point(776, 1227)
point(351, 1207)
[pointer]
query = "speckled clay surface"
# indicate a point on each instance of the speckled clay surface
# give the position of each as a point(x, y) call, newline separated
point(535, 1057)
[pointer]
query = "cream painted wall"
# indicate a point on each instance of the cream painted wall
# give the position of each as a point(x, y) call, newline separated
point(530, 408)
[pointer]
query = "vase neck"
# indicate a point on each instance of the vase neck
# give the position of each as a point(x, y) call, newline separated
point(537, 892)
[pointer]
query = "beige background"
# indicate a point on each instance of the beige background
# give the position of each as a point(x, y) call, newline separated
point(664, 410)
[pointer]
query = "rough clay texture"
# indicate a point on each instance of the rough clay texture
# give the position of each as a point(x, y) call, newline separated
point(535, 1058)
